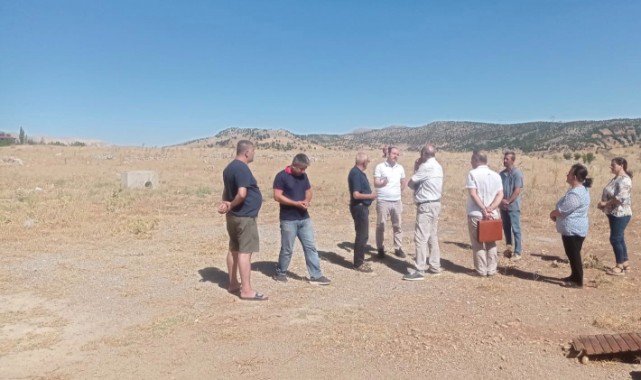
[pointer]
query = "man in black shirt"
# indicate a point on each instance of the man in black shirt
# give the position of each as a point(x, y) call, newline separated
point(360, 194)
point(241, 202)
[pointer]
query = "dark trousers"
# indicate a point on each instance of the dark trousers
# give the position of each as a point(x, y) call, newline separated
point(572, 245)
point(360, 214)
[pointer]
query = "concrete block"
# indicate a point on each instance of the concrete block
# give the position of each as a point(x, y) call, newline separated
point(139, 179)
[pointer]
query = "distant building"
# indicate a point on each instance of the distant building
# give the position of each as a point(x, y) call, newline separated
point(7, 138)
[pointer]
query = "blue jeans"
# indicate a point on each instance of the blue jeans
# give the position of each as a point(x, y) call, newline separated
point(617, 228)
point(512, 225)
point(289, 230)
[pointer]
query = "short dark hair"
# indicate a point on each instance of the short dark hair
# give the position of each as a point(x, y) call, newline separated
point(301, 159)
point(242, 146)
point(480, 156)
point(510, 153)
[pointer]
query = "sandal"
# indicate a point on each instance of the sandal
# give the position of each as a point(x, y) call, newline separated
point(616, 271)
point(626, 266)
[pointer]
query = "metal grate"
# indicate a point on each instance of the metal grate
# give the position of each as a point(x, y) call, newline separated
point(607, 344)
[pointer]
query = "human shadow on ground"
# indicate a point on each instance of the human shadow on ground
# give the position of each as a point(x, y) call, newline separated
point(549, 257)
point(398, 265)
point(336, 259)
point(635, 375)
point(454, 268)
point(214, 275)
point(349, 247)
point(268, 268)
point(459, 244)
point(531, 276)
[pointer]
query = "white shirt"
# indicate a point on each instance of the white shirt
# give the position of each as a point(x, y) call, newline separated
point(487, 183)
point(428, 181)
point(394, 174)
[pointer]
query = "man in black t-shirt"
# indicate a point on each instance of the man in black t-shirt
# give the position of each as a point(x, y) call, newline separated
point(293, 191)
point(360, 198)
point(241, 202)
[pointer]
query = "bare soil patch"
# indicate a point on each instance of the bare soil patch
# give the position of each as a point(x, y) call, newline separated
point(99, 282)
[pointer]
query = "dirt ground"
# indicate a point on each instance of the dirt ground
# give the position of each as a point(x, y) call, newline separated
point(102, 283)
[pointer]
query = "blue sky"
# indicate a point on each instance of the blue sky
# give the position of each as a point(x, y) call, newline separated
point(164, 72)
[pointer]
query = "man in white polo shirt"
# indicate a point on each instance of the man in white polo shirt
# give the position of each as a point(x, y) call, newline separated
point(389, 181)
point(485, 192)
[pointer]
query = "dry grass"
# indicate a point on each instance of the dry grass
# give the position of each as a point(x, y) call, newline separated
point(130, 259)
point(616, 322)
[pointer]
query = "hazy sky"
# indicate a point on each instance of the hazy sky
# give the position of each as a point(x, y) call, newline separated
point(163, 72)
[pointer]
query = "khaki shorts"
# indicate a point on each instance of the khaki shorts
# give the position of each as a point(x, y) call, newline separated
point(243, 233)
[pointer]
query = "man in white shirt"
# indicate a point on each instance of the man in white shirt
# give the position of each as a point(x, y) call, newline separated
point(485, 190)
point(427, 183)
point(389, 181)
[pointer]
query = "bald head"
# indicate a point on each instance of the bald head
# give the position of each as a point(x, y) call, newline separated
point(362, 160)
point(429, 150)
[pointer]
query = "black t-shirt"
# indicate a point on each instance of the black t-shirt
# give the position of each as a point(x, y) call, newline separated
point(293, 188)
point(235, 176)
point(357, 181)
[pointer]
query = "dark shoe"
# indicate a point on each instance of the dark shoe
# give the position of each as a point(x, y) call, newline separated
point(381, 253)
point(322, 280)
point(415, 276)
point(280, 277)
point(400, 254)
point(572, 284)
point(363, 268)
point(434, 271)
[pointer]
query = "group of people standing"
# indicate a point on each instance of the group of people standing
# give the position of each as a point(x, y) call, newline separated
point(490, 195)
point(486, 190)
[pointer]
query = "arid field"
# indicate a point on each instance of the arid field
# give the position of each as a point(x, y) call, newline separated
point(99, 282)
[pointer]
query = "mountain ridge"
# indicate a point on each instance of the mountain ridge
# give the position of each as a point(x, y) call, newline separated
point(450, 135)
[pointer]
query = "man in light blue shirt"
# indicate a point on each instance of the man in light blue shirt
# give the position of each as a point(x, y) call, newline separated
point(512, 179)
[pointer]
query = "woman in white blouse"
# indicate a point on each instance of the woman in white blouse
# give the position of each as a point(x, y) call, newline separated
point(615, 203)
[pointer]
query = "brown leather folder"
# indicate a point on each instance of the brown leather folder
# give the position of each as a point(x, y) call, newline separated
point(490, 230)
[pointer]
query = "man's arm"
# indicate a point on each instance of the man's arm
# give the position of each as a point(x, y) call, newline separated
point(283, 200)
point(515, 194)
point(496, 202)
point(359, 195)
point(308, 197)
point(420, 175)
point(225, 206)
point(476, 198)
point(378, 182)
point(403, 183)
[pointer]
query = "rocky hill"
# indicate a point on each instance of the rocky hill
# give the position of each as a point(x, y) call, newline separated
point(451, 136)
